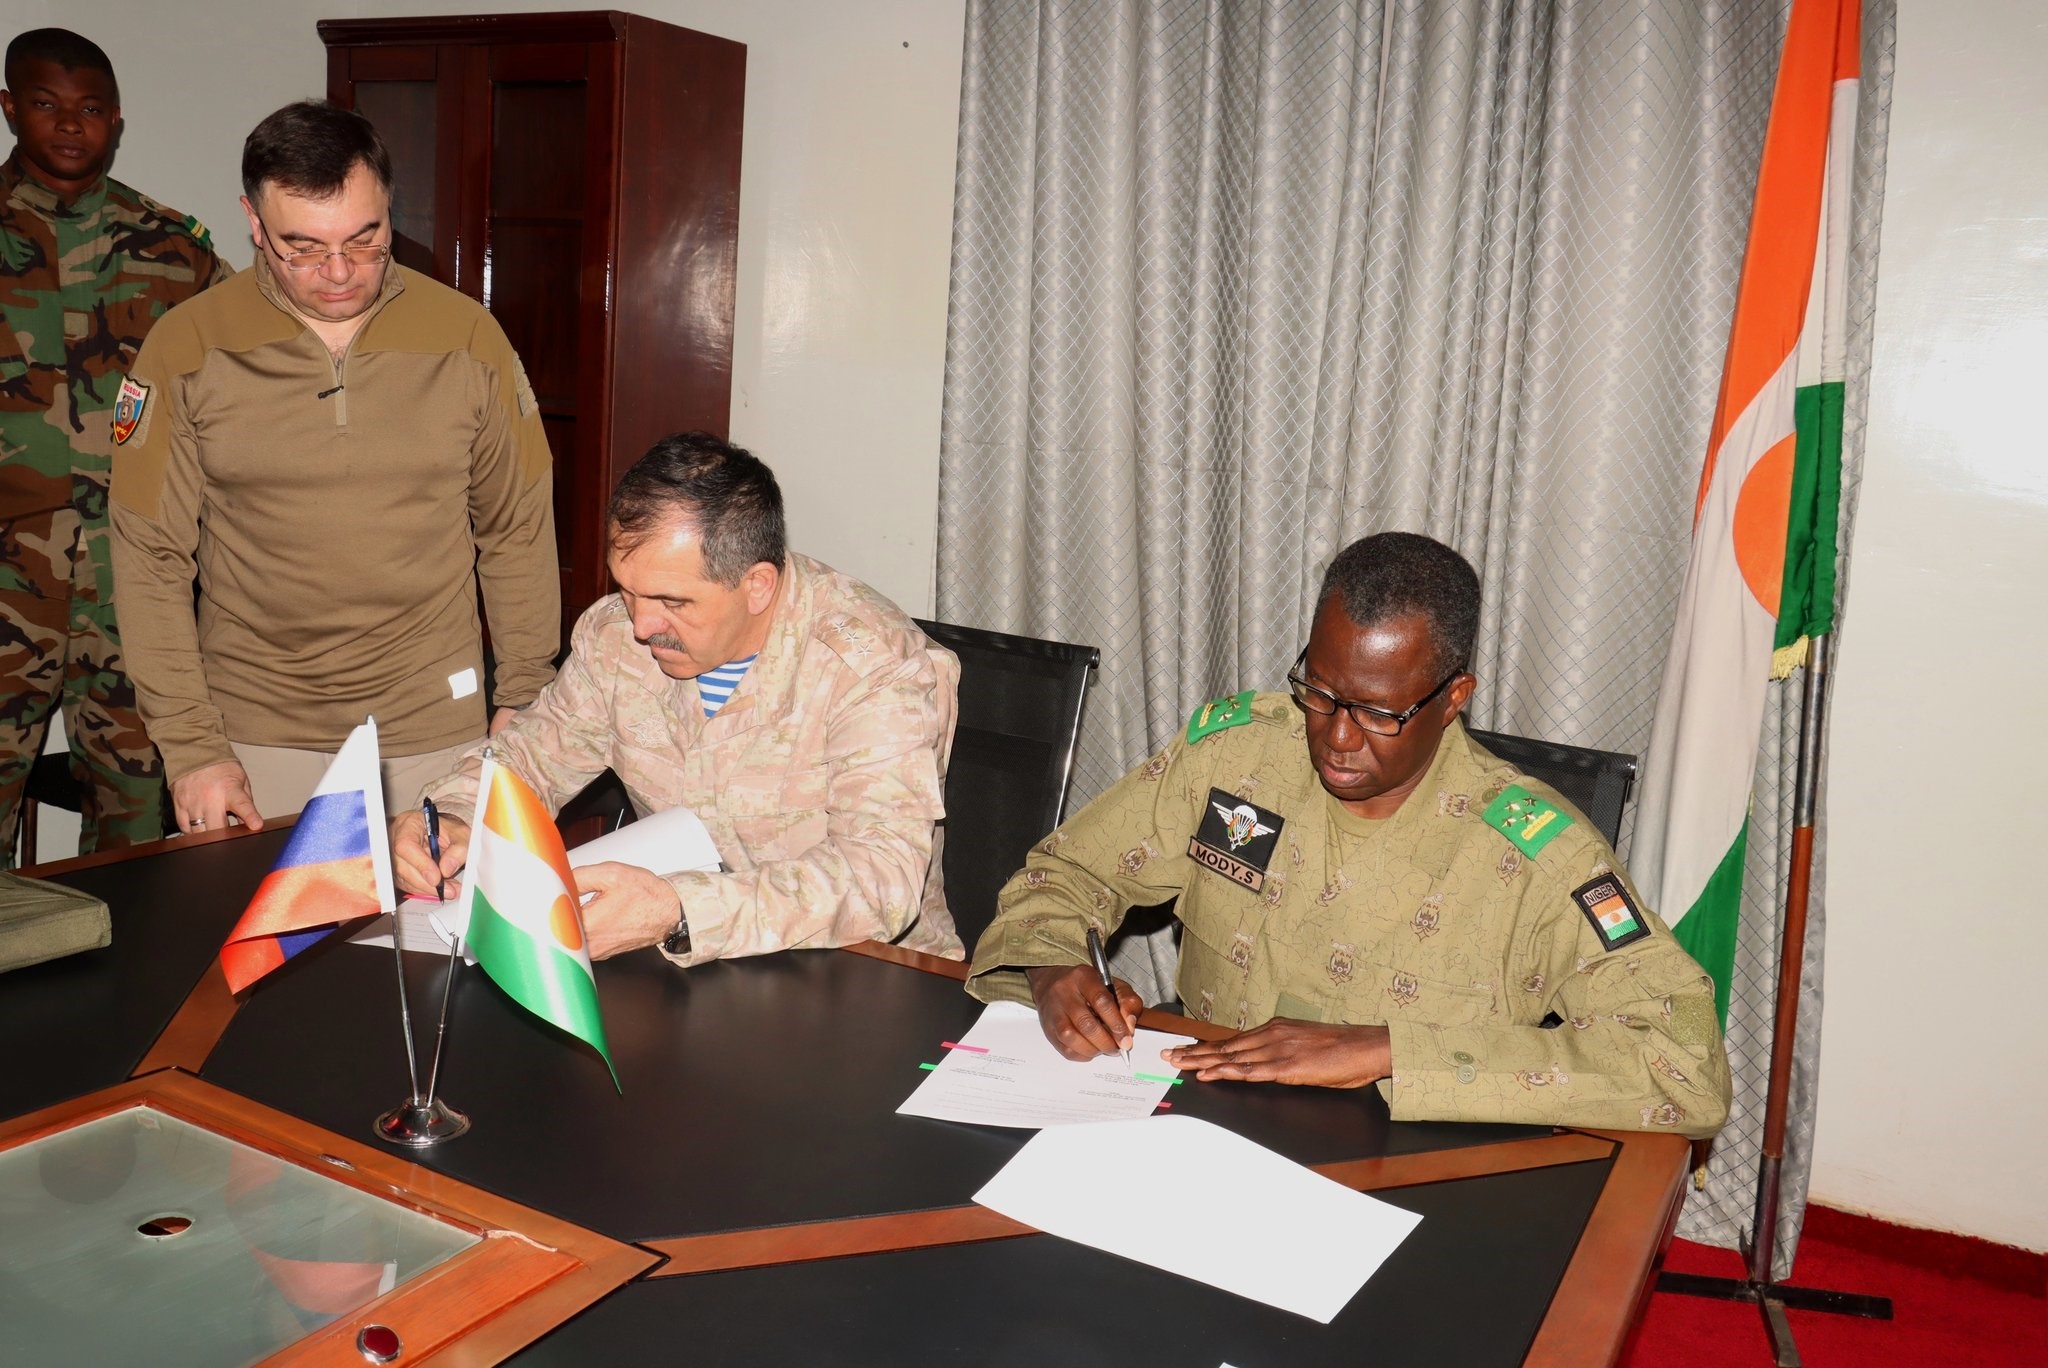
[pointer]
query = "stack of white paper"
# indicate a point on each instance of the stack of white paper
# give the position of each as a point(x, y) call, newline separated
point(1194, 1199)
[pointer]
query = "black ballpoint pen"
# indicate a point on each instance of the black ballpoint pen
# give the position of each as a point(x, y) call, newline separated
point(1102, 967)
point(434, 846)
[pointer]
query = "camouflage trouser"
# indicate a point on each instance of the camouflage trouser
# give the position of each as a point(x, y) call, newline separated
point(57, 642)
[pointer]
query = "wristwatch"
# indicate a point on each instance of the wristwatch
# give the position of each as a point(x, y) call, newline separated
point(677, 942)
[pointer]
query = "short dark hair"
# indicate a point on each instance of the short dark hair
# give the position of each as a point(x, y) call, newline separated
point(308, 148)
point(72, 51)
point(1392, 573)
point(724, 492)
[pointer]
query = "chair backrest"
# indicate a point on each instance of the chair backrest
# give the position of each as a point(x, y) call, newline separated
point(1013, 752)
point(1596, 781)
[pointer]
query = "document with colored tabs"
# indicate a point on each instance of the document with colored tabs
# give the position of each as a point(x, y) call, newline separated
point(1004, 1072)
point(1287, 1236)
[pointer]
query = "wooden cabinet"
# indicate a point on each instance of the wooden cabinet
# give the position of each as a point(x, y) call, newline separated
point(579, 175)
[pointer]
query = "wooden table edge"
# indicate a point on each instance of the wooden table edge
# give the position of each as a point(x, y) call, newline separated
point(1612, 1270)
point(165, 846)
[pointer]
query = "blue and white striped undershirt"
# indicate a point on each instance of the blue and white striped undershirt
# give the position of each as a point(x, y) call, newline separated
point(716, 686)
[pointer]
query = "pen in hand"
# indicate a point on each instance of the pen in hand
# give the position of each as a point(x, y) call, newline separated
point(1102, 967)
point(433, 820)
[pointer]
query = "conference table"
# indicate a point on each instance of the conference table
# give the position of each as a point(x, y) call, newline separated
point(748, 1194)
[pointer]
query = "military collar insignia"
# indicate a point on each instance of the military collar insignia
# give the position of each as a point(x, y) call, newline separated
point(1528, 821)
point(1612, 913)
point(1236, 839)
point(129, 406)
point(1221, 715)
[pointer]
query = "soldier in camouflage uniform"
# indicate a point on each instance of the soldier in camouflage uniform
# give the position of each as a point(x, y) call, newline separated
point(819, 777)
point(1368, 897)
point(86, 266)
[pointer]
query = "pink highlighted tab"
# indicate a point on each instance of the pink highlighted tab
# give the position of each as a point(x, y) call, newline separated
point(956, 1045)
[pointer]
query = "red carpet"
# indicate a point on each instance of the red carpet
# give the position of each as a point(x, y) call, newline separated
point(1955, 1301)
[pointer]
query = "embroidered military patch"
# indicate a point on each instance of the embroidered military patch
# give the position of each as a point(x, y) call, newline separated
point(1220, 715)
point(1525, 819)
point(1612, 912)
point(129, 406)
point(1236, 839)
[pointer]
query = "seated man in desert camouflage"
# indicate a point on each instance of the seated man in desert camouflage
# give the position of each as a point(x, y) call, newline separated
point(1369, 897)
point(800, 714)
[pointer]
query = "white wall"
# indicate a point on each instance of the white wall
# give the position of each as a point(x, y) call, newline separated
point(846, 216)
point(1934, 1057)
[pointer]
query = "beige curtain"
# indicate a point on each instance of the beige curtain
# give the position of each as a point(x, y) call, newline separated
point(1236, 282)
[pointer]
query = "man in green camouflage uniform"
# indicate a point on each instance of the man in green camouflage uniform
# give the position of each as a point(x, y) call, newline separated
point(86, 266)
point(1370, 897)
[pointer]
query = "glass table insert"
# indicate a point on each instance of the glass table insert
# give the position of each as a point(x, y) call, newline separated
point(141, 1237)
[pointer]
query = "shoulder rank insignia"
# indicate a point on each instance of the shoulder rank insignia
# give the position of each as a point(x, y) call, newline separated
point(129, 404)
point(1221, 715)
point(1607, 905)
point(1236, 839)
point(1525, 819)
point(193, 226)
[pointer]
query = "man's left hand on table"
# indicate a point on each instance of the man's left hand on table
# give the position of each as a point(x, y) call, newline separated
point(634, 907)
point(1286, 1051)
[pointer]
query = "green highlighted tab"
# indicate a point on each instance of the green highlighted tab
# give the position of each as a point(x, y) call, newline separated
point(1157, 1078)
point(1525, 819)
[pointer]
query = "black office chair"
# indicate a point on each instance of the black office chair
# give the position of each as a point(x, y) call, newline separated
point(1597, 782)
point(50, 783)
point(1013, 751)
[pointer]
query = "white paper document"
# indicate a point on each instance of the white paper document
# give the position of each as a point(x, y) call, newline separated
point(1004, 1072)
point(671, 842)
point(1203, 1202)
point(420, 923)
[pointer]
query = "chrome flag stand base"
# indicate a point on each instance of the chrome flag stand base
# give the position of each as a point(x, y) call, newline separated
point(420, 1122)
point(417, 1123)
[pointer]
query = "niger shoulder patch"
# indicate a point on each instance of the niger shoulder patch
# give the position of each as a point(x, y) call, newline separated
point(1613, 914)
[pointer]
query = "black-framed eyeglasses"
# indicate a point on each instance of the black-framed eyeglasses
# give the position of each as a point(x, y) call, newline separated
point(314, 258)
point(1378, 721)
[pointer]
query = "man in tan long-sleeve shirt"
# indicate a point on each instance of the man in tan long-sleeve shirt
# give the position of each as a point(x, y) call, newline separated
point(343, 451)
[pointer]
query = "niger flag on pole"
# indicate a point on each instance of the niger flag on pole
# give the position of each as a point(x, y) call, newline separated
point(1761, 577)
point(525, 926)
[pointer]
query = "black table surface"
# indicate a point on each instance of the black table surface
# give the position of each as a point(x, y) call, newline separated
point(762, 1093)
point(81, 1023)
point(756, 1092)
point(1468, 1287)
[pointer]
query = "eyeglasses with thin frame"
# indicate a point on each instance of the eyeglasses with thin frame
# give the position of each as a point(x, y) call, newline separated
point(315, 258)
point(1378, 721)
